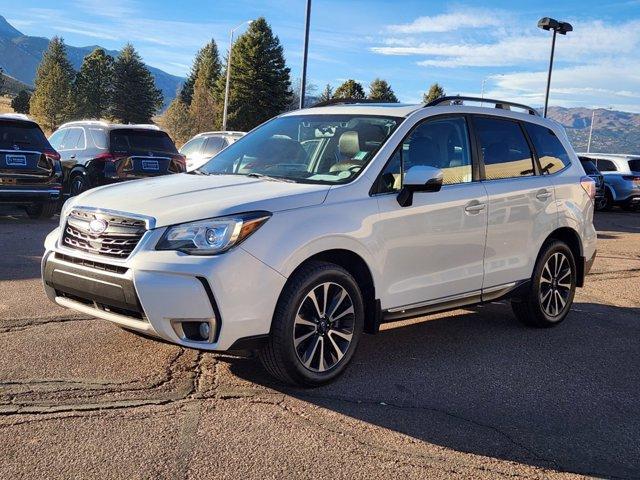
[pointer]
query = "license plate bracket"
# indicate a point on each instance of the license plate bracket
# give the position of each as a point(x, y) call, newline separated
point(150, 165)
point(13, 160)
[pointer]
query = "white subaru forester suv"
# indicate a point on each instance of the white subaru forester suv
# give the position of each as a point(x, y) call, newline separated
point(323, 223)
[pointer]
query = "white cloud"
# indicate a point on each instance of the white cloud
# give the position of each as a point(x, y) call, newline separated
point(448, 22)
point(591, 39)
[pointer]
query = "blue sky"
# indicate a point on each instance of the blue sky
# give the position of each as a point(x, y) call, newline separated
point(409, 43)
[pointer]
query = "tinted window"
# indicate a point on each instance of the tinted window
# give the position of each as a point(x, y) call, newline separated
point(25, 135)
point(505, 150)
point(99, 137)
point(606, 166)
point(137, 140)
point(346, 143)
point(634, 165)
point(441, 143)
point(213, 146)
point(551, 154)
point(192, 146)
point(589, 166)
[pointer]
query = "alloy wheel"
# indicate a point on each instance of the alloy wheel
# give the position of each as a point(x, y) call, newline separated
point(324, 326)
point(555, 284)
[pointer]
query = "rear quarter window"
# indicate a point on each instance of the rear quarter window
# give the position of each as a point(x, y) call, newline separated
point(606, 166)
point(634, 165)
point(552, 155)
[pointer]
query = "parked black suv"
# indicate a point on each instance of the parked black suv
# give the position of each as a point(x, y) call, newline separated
point(30, 171)
point(592, 171)
point(97, 153)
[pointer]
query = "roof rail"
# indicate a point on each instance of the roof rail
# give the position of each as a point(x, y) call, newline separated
point(221, 132)
point(343, 101)
point(502, 104)
point(148, 126)
point(85, 122)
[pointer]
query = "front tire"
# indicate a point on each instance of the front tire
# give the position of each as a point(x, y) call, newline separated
point(316, 326)
point(550, 294)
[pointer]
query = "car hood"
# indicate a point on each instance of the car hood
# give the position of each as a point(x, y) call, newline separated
point(182, 198)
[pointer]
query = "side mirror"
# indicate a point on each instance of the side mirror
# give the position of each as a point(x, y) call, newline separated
point(420, 178)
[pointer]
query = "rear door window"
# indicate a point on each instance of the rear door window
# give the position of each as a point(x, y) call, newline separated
point(504, 148)
point(73, 140)
point(551, 154)
point(23, 136)
point(99, 137)
point(124, 140)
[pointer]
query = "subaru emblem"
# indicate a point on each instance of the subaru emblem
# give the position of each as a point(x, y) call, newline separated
point(97, 226)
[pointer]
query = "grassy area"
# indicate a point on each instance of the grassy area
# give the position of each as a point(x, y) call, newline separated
point(5, 104)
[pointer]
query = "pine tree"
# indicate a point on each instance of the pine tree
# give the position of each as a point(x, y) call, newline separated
point(177, 121)
point(381, 91)
point(350, 89)
point(2, 81)
point(260, 86)
point(135, 97)
point(51, 102)
point(20, 103)
point(208, 57)
point(326, 94)
point(435, 92)
point(204, 110)
point(92, 88)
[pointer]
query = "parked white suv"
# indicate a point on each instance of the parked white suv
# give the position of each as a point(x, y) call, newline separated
point(325, 222)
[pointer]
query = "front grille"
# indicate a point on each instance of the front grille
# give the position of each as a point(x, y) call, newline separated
point(91, 264)
point(119, 238)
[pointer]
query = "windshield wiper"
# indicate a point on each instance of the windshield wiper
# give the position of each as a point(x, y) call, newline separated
point(198, 172)
point(267, 177)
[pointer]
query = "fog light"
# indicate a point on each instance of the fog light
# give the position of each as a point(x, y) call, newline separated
point(204, 329)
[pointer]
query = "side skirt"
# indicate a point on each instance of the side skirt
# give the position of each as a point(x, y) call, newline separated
point(444, 304)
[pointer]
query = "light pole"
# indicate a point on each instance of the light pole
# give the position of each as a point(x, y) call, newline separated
point(593, 117)
point(562, 28)
point(303, 83)
point(226, 87)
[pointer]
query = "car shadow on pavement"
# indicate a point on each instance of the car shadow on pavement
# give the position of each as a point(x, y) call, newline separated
point(566, 398)
point(617, 222)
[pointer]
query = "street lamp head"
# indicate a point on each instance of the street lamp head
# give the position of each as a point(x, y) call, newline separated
point(547, 23)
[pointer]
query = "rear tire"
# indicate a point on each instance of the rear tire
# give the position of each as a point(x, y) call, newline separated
point(549, 297)
point(42, 211)
point(316, 326)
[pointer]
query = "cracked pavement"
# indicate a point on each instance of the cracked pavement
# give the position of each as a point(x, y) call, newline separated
point(468, 393)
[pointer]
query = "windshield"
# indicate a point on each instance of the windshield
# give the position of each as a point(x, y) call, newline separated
point(325, 149)
point(24, 135)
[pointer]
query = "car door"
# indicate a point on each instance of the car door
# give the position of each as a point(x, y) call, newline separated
point(434, 248)
point(522, 211)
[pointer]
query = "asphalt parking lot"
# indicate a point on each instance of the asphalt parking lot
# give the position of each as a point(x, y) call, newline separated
point(469, 393)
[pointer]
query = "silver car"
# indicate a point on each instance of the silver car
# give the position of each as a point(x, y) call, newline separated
point(203, 146)
point(621, 178)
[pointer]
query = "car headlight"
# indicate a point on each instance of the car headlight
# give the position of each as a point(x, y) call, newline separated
point(213, 236)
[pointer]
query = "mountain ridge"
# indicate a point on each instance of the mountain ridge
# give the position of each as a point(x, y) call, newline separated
point(21, 54)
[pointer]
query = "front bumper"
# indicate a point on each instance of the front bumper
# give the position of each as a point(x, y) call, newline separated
point(153, 291)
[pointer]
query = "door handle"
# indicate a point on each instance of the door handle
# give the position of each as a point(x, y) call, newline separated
point(543, 194)
point(474, 207)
